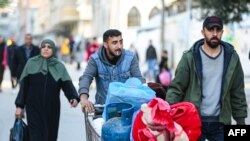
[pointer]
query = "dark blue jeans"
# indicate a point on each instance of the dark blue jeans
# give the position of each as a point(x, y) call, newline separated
point(212, 131)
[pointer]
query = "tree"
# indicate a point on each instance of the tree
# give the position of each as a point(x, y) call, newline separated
point(228, 10)
point(3, 3)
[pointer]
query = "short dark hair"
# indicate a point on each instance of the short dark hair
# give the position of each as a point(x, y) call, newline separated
point(111, 33)
point(28, 34)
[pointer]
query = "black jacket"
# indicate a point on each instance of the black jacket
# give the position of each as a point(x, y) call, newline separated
point(2, 47)
point(20, 59)
point(151, 53)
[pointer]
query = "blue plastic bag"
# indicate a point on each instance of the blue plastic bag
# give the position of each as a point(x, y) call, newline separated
point(19, 132)
point(132, 92)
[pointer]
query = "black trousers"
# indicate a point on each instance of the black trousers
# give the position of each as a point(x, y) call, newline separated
point(1, 74)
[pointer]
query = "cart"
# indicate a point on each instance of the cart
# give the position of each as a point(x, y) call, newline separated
point(91, 133)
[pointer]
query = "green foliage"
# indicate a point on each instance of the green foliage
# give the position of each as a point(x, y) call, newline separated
point(3, 3)
point(228, 10)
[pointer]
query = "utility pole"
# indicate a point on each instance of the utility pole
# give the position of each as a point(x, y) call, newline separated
point(189, 14)
point(163, 25)
point(27, 20)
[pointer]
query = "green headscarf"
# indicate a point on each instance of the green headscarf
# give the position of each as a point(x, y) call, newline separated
point(39, 64)
point(51, 43)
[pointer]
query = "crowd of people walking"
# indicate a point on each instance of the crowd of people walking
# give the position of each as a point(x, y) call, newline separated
point(72, 49)
point(209, 73)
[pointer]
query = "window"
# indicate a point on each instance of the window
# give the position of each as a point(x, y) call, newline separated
point(154, 12)
point(134, 17)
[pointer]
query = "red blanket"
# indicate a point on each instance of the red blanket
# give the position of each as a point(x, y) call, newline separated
point(159, 112)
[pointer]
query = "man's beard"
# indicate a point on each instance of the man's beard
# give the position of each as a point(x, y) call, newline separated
point(212, 44)
point(114, 55)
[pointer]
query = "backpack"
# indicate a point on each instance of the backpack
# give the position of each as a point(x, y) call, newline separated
point(165, 77)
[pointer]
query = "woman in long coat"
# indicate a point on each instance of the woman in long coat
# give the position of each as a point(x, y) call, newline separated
point(41, 81)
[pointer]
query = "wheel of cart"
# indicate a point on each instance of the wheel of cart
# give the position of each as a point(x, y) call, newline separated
point(91, 133)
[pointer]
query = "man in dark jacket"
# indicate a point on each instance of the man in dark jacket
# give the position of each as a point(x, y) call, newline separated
point(151, 58)
point(210, 75)
point(22, 54)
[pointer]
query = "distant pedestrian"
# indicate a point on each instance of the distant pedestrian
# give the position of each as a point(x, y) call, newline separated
point(71, 45)
point(163, 68)
point(41, 82)
point(22, 55)
point(92, 47)
point(78, 53)
point(65, 50)
point(151, 59)
point(164, 60)
point(133, 48)
point(2, 67)
point(10, 58)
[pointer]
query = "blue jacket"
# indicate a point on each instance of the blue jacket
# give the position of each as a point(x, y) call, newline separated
point(104, 72)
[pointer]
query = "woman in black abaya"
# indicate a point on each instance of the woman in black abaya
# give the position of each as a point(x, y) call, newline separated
point(41, 81)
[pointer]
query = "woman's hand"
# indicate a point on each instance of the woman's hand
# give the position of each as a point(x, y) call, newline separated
point(73, 102)
point(169, 135)
point(19, 113)
point(156, 127)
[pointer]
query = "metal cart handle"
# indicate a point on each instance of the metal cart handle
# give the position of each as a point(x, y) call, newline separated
point(86, 113)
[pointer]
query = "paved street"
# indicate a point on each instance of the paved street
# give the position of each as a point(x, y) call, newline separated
point(72, 126)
